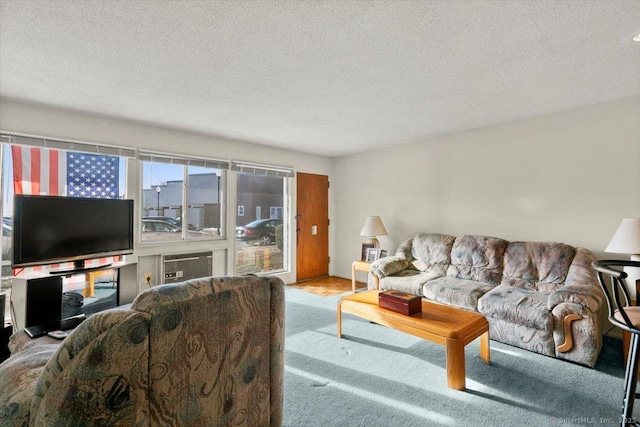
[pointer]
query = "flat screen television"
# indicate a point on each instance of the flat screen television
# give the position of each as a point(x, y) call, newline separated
point(54, 229)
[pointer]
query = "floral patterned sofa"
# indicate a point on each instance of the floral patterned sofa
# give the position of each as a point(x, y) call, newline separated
point(543, 297)
point(199, 353)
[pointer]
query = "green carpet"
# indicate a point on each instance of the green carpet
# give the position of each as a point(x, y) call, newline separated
point(376, 376)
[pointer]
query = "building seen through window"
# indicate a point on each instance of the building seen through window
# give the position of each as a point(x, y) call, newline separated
point(260, 240)
point(164, 208)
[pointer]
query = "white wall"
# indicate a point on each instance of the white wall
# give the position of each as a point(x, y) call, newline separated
point(69, 125)
point(568, 177)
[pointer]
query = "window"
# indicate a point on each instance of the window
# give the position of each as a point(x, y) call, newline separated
point(58, 168)
point(276, 212)
point(181, 189)
point(204, 207)
point(261, 243)
point(240, 210)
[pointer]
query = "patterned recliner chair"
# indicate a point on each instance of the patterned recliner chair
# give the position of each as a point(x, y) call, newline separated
point(540, 296)
point(199, 353)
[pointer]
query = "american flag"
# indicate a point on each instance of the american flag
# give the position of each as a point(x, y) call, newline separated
point(91, 175)
point(54, 173)
point(38, 171)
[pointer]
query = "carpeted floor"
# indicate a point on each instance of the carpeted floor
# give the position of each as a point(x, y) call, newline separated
point(376, 376)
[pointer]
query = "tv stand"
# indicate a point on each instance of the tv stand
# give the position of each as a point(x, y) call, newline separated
point(42, 297)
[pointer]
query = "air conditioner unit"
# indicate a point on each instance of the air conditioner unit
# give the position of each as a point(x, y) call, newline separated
point(180, 267)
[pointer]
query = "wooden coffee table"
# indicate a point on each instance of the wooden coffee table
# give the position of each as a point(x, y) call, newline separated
point(449, 326)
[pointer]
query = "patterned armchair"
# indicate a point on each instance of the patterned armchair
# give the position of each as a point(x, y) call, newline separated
point(203, 352)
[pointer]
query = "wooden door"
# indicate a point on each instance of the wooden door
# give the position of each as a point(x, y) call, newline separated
point(312, 226)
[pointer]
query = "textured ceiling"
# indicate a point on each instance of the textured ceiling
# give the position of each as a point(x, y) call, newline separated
point(323, 77)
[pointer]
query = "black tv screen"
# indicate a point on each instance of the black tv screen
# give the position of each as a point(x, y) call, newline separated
point(53, 229)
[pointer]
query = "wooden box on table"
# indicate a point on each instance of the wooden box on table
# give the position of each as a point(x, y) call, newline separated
point(400, 302)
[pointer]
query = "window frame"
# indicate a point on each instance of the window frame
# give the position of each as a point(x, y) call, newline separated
point(287, 214)
point(184, 161)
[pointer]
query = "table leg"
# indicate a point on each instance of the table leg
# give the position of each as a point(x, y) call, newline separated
point(89, 284)
point(339, 320)
point(456, 374)
point(353, 278)
point(484, 348)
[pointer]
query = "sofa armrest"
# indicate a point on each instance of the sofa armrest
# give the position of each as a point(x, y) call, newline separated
point(581, 285)
point(18, 377)
point(99, 372)
point(389, 265)
point(21, 341)
point(588, 296)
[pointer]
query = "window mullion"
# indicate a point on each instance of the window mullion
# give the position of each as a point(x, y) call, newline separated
point(185, 202)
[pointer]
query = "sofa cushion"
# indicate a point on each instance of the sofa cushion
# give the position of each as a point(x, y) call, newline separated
point(410, 281)
point(537, 266)
point(457, 292)
point(477, 258)
point(517, 305)
point(431, 253)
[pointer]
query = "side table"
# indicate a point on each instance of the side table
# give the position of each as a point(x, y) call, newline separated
point(360, 266)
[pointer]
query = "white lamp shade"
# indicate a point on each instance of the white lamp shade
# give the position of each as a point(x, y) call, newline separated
point(373, 227)
point(626, 240)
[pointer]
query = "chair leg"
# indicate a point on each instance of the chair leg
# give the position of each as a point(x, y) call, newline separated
point(630, 381)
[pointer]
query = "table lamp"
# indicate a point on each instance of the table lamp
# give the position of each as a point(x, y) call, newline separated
point(626, 240)
point(373, 227)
